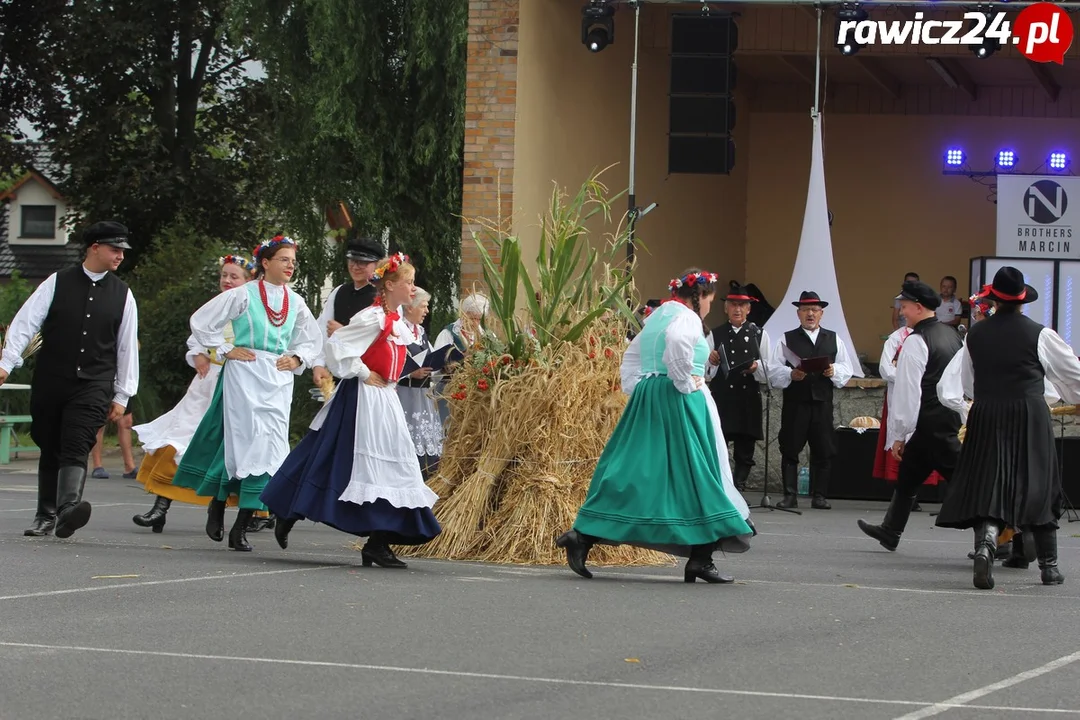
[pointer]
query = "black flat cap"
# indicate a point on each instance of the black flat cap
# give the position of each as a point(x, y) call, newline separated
point(364, 249)
point(921, 293)
point(106, 232)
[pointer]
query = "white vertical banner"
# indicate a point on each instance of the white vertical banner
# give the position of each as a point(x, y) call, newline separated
point(814, 268)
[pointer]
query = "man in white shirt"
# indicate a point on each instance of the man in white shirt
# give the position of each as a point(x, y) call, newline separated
point(922, 433)
point(951, 310)
point(808, 363)
point(89, 360)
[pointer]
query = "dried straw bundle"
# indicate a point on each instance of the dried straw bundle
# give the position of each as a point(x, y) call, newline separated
point(521, 449)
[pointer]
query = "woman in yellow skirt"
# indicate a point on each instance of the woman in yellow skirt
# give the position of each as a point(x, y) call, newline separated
point(165, 439)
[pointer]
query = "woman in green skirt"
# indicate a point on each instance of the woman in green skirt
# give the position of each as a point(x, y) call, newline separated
point(660, 483)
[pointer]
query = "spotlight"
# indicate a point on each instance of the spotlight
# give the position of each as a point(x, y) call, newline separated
point(954, 157)
point(1006, 159)
point(1058, 161)
point(597, 25)
point(846, 19)
point(988, 47)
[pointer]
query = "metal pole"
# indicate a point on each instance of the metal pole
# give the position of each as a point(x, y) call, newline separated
point(817, 65)
point(631, 199)
point(1005, 5)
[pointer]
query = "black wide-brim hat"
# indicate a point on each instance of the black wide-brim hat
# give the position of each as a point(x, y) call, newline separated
point(809, 297)
point(739, 293)
point(106, 232)
point(1009, 287)
point(364, 250)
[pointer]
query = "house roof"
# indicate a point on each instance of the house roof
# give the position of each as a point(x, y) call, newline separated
point(35, 262)
point(33, 175)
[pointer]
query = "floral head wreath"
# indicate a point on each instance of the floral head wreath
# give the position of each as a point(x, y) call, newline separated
point(693, 279)
point(392, 265)
point(240, 260)
point(981, 301)
point(278, 239)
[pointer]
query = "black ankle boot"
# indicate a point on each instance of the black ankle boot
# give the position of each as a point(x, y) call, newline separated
point(577, 551)
point(238, 536)
point(1046, 550)
point(983, 573)
point(700, 567)
point(281, 532)
point(376, 550)
point(154, 518)
point(215, 520)
point(72, 511)
point(789, 473)
point(892, 527)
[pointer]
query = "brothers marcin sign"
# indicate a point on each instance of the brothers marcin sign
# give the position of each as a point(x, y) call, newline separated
point(1037, 216)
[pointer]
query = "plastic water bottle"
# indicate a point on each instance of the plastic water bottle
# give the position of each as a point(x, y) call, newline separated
point(804, 480)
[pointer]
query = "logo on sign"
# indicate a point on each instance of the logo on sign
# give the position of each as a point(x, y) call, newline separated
point(1045, 202)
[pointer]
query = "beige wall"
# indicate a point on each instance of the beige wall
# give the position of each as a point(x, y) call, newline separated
point(574, 118)
point(34, 193)
point(894, 210)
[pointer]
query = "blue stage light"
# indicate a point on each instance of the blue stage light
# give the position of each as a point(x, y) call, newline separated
point(1058, 161)
point(954, 157)
point(1006, 159)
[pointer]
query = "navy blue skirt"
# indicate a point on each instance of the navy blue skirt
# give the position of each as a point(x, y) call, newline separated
point(317, 471)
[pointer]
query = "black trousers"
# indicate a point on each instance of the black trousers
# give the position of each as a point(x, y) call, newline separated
point(809, 422)
point(923, 454)
point(65, 418)
point(744, 449)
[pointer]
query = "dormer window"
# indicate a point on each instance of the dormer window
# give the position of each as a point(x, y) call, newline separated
point(38, 222)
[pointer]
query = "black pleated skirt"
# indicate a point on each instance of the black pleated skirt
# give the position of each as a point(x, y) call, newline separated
point(1008, 470)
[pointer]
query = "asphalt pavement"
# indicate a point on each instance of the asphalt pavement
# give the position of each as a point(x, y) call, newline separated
point(822, 623)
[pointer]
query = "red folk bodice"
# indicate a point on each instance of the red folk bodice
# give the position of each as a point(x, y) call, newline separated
point(385, 356)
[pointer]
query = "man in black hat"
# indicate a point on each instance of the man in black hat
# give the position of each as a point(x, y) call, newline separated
point(815, 360)
point(89, 359)
point(922, 433)
point(346, 300)
point(734, 378)
point(1007, 473)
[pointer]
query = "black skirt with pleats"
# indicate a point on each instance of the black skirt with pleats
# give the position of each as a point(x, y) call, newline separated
point(1008, 468)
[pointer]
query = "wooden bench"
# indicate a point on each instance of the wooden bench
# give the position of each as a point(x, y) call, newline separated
point(7, 434)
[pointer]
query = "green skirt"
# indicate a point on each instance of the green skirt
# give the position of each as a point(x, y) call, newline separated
point(202, 468)
point(658, 484)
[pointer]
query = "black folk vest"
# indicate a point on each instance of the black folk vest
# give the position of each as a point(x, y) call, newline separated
point(1004, 350)
point(816, 387)
point(942, 343)
point(80, 331)
point(739, 347)
point(348, 301)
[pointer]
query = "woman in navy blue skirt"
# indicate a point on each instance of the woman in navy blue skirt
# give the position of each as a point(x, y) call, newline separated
point(357, 469)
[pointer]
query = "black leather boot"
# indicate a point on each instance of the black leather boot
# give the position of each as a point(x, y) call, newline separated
point(376, 550)
point(238, 536)
point(281, 532)
point(577, 551)
point(820, 474)
point(1018, 550)
point(72, 511)
point(789, 473)
point(983, 574)
point(742, 474)
point(1046, 549)
point(700, 567)
point(154, 518)
point(892, 527)
point(45, 517)
point(215, 520)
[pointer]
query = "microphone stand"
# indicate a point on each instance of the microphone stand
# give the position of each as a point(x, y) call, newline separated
point(766, 503)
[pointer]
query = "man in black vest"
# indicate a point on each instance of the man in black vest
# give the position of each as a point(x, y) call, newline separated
point(737, 394)
point(922, 433)
point(807, 415)
point(346, 300)
point(89, 358)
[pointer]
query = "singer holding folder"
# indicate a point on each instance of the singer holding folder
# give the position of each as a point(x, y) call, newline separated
point(816, 360)
point(738, 356)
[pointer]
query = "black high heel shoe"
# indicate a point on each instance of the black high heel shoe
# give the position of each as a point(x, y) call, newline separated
point(702, 569)
point(154, 518)
point(379, 553)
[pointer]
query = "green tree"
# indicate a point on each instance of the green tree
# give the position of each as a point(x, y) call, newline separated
point(155, 118)
point(371, 96)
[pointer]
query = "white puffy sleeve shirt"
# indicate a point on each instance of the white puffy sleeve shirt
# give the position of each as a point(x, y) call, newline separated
point(345, 348)
point(681, 337)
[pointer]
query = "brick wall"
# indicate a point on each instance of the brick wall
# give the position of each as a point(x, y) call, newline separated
point(490, 113)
